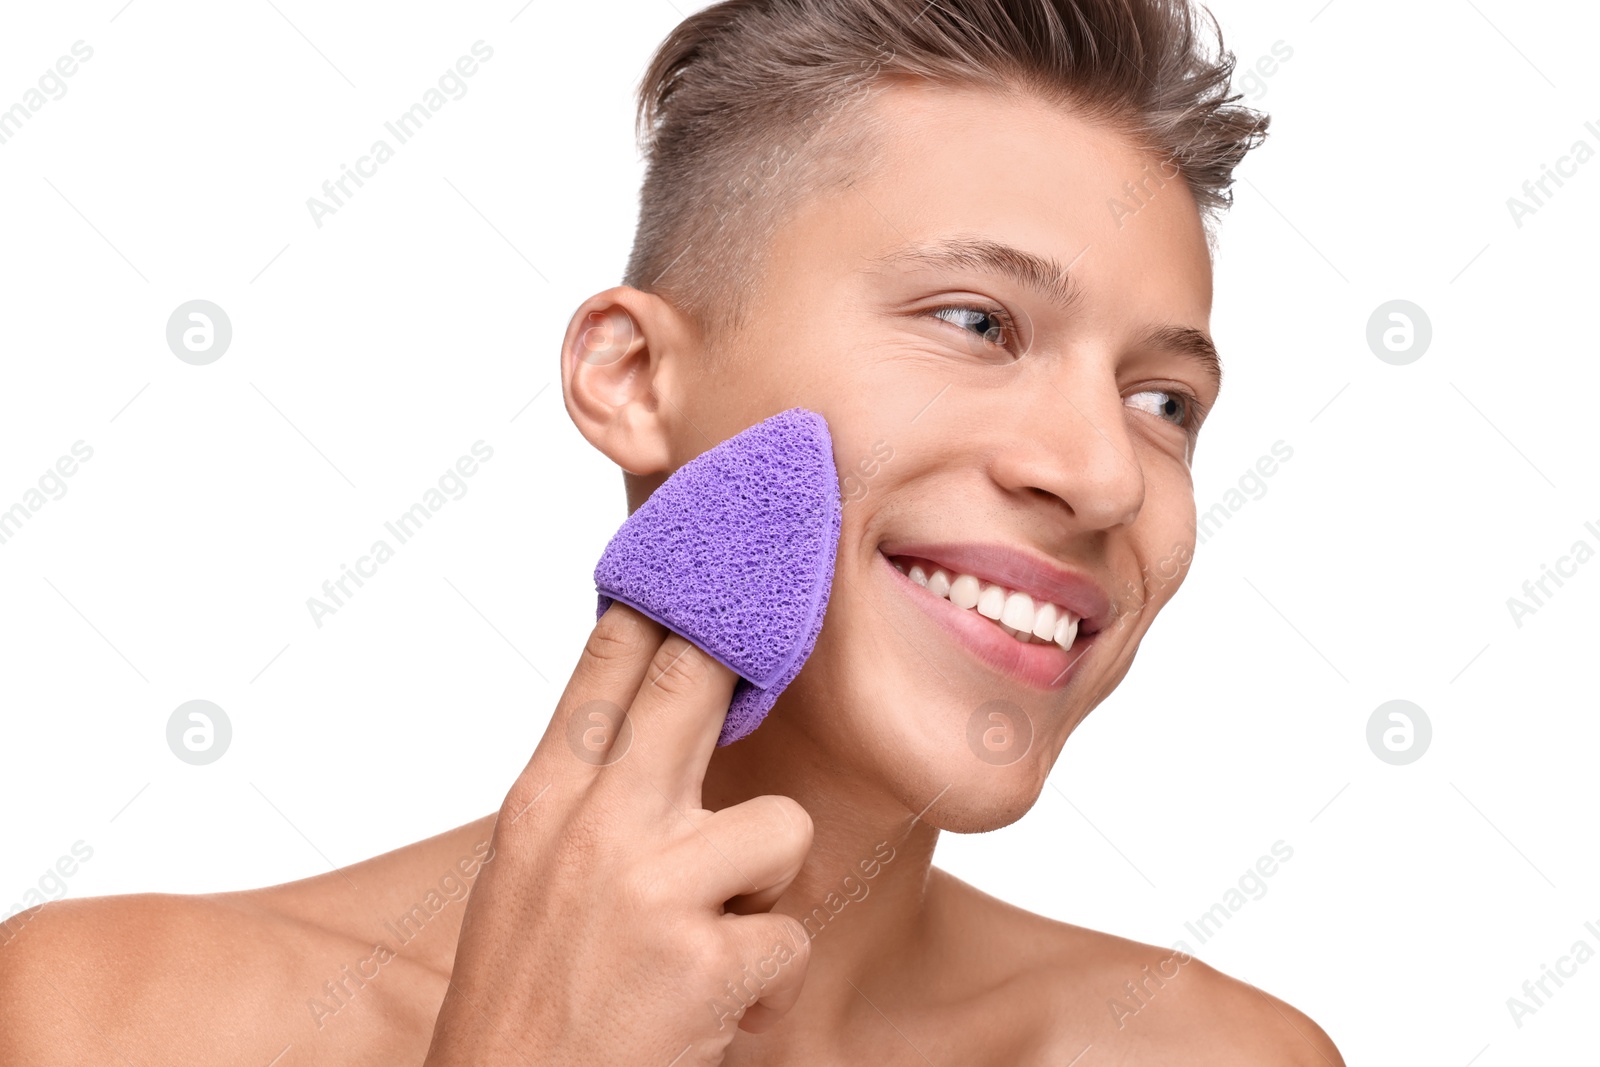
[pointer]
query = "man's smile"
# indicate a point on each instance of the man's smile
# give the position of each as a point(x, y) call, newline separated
point(1022, 617)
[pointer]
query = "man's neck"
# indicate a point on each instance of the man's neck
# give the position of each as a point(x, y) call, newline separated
point(861, 894)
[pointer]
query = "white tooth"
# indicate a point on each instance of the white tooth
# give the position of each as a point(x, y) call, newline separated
point(1010, 630)
point(1066, 631)
point(964, 591)
point(1044, 623)
point(918, 575)
point(939, 583)
point(901, 567)
point(1018, 611)
point(1025, 637)
point(991, 601)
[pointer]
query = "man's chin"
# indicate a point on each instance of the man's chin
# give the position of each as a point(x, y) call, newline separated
point(962, 757)
point(984, 802)
point(952, 789)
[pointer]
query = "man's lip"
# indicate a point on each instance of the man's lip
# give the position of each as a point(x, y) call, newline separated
point(1040, 665)
point(1004, 565)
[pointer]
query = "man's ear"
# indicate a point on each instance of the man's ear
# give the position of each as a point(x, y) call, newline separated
point(620, 367)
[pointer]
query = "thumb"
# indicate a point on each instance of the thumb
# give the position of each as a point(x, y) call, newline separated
point(777, 952)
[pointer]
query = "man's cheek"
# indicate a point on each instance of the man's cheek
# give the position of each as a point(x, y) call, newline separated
point(1169, 571)
point(1126, 600)
point(1167, 568)
point(1159, 580)
point(1172, 568)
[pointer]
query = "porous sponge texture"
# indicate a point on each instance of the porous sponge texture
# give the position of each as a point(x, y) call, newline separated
point(735, 551)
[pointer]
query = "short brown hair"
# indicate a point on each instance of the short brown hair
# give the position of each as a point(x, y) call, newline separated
point(736, 113)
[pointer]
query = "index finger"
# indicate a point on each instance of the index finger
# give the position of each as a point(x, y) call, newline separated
point(588, 729)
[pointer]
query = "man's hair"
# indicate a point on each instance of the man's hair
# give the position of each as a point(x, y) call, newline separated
point(749, 106)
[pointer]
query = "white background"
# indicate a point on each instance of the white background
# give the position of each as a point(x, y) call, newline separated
point(425, 315)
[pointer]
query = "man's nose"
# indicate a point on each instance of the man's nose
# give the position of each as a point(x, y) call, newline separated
point(1070, 440)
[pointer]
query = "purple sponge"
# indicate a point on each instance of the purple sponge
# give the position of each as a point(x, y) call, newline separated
point(735, 552)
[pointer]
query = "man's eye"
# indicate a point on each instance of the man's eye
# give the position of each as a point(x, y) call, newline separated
point(992, 324)
point(1176, 407)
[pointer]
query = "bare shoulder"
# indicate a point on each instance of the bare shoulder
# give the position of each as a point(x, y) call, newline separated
point(179, 979)
point(1081, 989)
point(346, 967)
point(1186, 1005)
point(1156, 1003)
point(82, 978)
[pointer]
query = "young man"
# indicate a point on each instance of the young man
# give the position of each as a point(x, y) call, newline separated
point(970, 234)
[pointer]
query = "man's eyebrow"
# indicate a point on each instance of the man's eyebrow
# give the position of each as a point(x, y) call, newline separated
point(1043, 274)
point(1187, 341)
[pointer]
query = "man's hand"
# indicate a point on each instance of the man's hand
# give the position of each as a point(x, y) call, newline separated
point(599, 933)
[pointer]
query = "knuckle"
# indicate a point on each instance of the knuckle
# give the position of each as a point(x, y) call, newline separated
point(614, 637)
point(792, 821)
point(678, 667)
point(519, 811)
point(798, 939)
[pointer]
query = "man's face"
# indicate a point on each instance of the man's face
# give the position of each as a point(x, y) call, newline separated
point(1034, 435)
